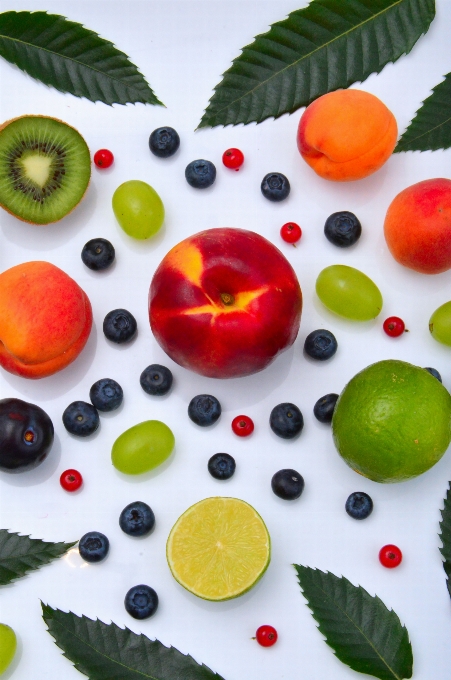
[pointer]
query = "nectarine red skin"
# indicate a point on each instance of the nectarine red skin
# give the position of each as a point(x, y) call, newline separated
point(224, 303)
point(45, 319)
point(417, 226)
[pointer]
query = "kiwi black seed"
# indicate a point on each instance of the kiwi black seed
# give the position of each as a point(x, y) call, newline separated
point(45, 168)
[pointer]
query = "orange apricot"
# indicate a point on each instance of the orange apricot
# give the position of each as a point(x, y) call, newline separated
point(417, 226)
point(346, 135)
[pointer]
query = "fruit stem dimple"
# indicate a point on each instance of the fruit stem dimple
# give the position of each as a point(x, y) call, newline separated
point(227, 298)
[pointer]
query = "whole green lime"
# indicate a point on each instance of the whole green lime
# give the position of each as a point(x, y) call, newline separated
point(392, 421)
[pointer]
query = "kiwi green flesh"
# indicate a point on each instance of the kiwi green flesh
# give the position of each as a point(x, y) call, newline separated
point(45, 168)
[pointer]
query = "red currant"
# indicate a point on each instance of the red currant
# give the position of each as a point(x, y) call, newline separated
point(233, 159)
point(291, 232)
point(390, 556)
point(266, 636)
point(394, 326)
point(243, 426)
point(103, 158)
point(71, 480)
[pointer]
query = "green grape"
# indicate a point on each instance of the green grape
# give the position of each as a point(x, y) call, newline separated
point(8, 644)
point(142, 447)
point(440, 324)
point(349, 293)
point(138, 209)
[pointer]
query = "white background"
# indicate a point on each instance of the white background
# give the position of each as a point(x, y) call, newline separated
point(182, 47)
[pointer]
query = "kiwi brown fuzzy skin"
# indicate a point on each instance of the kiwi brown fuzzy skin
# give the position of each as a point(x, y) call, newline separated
point(58, 120)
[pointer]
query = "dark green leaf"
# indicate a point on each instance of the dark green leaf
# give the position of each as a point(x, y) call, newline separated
point(431, 127)
point(363, 633)
point(445, 536)
point(71, 58)
point(21, 554)
point(326, 46)
point(106, 652)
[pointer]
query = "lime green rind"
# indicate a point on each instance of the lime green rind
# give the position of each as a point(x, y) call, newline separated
point(349, 293)
point(8, 646)
point(390, 435)
point(77, 165)
point(142, 447)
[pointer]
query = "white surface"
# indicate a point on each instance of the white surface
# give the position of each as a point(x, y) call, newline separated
point(182, 47)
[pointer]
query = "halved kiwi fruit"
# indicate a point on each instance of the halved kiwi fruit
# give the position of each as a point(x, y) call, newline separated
point(45, 168)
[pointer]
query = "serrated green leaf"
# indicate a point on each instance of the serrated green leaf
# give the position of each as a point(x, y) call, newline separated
point(326, 46)
point(106, 652)
point(363, 633)
point(21, 554)
point(71, 58)
point(445, 536)
point(431, 128)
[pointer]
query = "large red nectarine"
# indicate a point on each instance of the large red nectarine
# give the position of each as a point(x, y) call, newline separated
point(45, 319)
point(224, 303)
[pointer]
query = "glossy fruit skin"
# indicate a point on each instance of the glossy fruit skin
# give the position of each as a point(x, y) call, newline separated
point(200, 174)
point(164, 142)
point(120, 326)
point(325, 407)
point(440, 324)
point(141, 602)
point(434, 372)
point(93, 547)
point(103, 158)
point(242, 426)
point(233, 158)
point(266, 636)
point(242, 282)
point(26, 435)
point(106, 395)
point(394, 326)
point(98, 254)
point(287, 484)
point(204, 410)
point(320, 344)
point(349, 293)
point(8, 646)
point(137, 519)
point(81, 418)
point(138, 209)
point(359, 505)
point(290, 232)
point(156, 380)
point(275, 187)
point(286, 420)
point(221, 466)
point(71, 480)
point(142, 447)
point(390, 556)
point(343, 229)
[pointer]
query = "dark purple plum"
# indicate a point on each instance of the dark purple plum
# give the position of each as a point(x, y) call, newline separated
point(26, 435)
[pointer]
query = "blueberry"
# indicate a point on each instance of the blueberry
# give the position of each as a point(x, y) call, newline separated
point(119, 326)
point(98, 254)
point(434, 372)
point(275, 186)
point(81, 418)
point(106, 394)
point(26, 435)
point(221, 466)
point(359, 505)
point(141, 602)
point(200, 174)
point(324, 408)
point(320, 344)
point(93, 546)
point(342, 229)
point(286, 421)
point(164, 142)
point(156, 380)
point(204, 410)
point(137, 519)
point(287, 484)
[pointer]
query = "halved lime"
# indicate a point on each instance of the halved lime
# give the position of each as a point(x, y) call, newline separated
point(219, 548)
